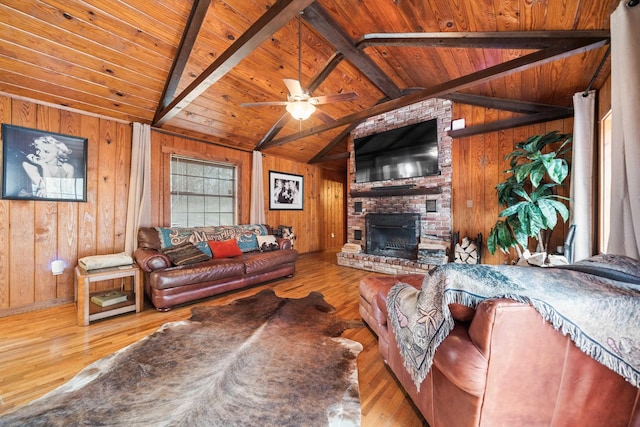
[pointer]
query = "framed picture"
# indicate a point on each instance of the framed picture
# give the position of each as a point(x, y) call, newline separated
point(39, 165)
point(286, 191)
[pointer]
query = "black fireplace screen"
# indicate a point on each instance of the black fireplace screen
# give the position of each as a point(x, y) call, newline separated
point(393, 235)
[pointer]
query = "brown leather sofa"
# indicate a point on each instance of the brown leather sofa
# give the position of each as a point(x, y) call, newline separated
point(503, 365)
point(167, 285)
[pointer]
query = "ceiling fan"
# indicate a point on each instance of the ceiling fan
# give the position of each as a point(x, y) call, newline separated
point(299, 103)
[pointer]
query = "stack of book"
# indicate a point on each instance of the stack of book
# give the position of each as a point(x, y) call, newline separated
point(433, 251)
point(109, 298)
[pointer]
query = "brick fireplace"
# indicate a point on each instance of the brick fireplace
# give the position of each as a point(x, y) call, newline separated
point(427, 197)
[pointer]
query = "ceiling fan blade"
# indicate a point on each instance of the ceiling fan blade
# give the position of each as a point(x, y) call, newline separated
point(324, 116)
point(338, 97)
point(293, 86)
point(263, 104)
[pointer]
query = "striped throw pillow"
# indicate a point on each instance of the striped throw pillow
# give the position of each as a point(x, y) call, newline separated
point(184, 254)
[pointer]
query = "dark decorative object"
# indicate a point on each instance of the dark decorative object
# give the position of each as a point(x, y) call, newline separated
point(393, 235)
point(432, 206)
point(405, 152)
point(40, 165)
point(286, 191)
point(287, 232)
point(357, 207)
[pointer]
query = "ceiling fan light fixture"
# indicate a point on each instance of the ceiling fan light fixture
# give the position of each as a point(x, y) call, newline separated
point(300, 110)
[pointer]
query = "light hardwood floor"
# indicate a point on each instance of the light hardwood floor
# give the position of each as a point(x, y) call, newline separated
point(41, 350)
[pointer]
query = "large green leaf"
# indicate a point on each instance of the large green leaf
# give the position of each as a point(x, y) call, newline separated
point(523, 219)
point(549, 213)
point(492, 240)
point(536, 175)
point(560, 207)
point(501, 237)
point(536, 220)
point(522, 171)
point(557, 169)
point(517, 230)
point(512, 210)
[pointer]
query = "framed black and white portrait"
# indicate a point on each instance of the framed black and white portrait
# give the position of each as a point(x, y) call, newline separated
point(39, 165)
point(286, 191)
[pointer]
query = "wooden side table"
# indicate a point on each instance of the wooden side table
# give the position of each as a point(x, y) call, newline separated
point(86, 311)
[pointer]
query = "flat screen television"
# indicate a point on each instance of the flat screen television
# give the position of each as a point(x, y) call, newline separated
point(405, 152)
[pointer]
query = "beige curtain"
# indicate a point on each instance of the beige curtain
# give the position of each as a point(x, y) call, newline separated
point(582, 180)
point(257, 190)
point(139, 202)
point(625, 145)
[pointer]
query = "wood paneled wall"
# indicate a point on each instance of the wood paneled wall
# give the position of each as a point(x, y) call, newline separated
point(323, 210)
point(33, 233)
point(324, 205)
point(478, 165)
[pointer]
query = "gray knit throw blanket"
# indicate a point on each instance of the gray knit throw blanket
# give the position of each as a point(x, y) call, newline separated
point(596, 302)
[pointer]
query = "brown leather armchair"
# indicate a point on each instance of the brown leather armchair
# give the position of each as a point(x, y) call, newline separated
point(503, 365)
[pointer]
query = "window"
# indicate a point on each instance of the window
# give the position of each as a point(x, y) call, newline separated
point(203, 193)
point(605, 183)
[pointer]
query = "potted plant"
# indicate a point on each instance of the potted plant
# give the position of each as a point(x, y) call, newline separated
point(528, 194)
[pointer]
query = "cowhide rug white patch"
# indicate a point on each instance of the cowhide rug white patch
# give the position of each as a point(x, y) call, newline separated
point(259, 361)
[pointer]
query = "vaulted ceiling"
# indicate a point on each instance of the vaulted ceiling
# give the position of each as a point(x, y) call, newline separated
point(187, 66)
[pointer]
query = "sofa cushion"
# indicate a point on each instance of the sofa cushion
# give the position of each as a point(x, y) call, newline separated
point(184, 254)
point(267, 243)
point(208, 271)
point(260, 262)
point(224, 248)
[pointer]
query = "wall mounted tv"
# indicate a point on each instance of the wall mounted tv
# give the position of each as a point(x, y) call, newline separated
point(405, 152)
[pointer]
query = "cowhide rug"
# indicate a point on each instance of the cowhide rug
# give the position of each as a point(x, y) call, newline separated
point(259, 361)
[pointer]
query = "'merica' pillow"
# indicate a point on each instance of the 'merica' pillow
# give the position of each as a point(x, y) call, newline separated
point(225, 248)
point(184, 254)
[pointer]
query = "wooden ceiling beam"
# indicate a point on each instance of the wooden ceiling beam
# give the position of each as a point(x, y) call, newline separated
point(191, 30)
point(338, 156)
point(322, 22)
point(275, 129)
point(322, 156)
point(461, 83)
point(530, 119)
point(329, 66)
point(532, 40)
point(274, 18)
point(502, 104)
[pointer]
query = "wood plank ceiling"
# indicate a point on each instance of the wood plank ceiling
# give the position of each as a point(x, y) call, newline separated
point(186, 66)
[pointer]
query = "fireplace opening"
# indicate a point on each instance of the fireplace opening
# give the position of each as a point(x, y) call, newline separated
point(393, 235)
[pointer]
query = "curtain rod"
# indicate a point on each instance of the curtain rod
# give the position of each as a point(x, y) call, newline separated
point(595, 76)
